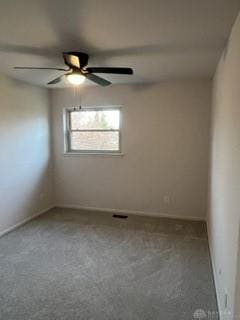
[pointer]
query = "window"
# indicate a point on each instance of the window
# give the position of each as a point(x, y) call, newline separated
point(93, 130)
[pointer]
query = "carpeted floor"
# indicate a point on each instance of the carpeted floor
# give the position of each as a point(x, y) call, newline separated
point(76, 265)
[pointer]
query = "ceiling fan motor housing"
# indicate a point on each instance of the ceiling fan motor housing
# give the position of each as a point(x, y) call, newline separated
point(82, 58)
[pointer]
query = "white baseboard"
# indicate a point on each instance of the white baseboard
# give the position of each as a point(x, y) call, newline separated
point(215, 275)
point(214, 270)
point(130, 212)
point(2, 233)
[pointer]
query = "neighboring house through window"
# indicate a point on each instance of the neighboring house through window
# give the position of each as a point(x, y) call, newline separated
point(93, 130)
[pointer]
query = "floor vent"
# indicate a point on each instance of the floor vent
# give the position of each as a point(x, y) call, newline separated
point(120, 216)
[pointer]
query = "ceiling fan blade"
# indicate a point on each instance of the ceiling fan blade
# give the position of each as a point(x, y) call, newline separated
point(110, 70)
point(40, 68)
point(57, 79)
point(102, 82)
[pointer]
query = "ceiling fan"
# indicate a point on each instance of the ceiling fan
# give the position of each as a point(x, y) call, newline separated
point(78, 71)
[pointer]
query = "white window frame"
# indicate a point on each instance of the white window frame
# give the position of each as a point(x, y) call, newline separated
point(67, 130)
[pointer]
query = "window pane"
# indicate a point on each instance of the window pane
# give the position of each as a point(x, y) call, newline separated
point(102, 119)
point(99, 141)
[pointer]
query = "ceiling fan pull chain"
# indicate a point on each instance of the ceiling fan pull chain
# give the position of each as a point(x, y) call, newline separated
point(79, 98)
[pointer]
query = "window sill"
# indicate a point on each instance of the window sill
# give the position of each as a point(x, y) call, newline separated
point(74, 154)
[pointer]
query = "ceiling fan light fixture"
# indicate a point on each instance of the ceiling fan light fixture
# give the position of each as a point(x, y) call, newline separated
point(76, 78)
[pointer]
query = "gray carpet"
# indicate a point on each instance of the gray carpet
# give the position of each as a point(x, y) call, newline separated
point(71, 265)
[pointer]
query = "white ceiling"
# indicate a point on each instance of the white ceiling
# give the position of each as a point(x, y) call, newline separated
point(159, 39)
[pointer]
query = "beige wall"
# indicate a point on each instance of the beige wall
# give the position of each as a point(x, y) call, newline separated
point(224, 207)
point(25, 175)
point(165, 145)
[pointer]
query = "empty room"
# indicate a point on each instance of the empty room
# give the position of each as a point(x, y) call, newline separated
point(119, 160)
